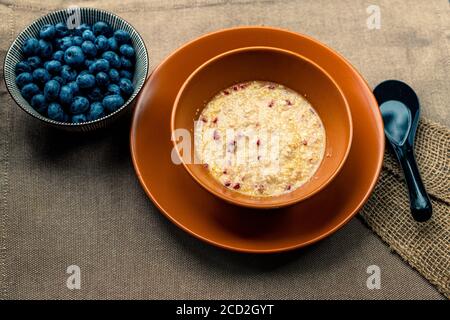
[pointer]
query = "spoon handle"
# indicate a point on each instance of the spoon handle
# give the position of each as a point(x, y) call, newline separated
point(419, 201)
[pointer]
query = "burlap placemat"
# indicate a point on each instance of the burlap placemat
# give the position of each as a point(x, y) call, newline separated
point(66, 200)
point(425, 246)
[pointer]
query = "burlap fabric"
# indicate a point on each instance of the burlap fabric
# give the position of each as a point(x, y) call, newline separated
point(425, 246)
point(73, 200)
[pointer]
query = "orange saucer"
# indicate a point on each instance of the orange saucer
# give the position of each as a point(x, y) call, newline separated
point(205, 216)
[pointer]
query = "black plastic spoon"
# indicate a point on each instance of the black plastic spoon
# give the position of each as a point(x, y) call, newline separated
point(400, 109)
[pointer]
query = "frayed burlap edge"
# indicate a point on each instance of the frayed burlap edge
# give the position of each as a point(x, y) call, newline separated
point(425, 246)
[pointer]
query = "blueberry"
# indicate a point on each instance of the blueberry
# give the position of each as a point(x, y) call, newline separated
point(53, 66)
point(34, 62)
point(68, 74)
point(102, 79)
point(29, 90)
point(58, 55)
point(41, 76)
point(85, 81)
point(113, 59)
point(112, 102)
point(126, 74)
point(88, 62)
point(60, 80)
point(126, 86)
point(56, 112)
point(102, 43)
point(57, 44)
point(79, 118)
point(89, 48)
point(74, 56)
point(113, 45)
point(66, 43)
point(122, 36)
point(114, 89)
point(51, 90)
point(23, 79)
point(126, 63)
point(47, 32)
point(45, 49)
point(74, 86)
point(39, 103)
point(127, 50)
point(61, 29)
point(114, 75)
point(79, 105)
point(101, 28)
point(99, 65)
point(66, 95)
point(96, 111)
point(81, 29)
point(22, 66)
point(84, 72)
point(31, 47)
point(77, 41)
point(88, 35)
point(96, 94)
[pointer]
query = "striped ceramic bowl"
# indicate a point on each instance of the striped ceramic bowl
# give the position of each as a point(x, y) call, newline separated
point(89, 16)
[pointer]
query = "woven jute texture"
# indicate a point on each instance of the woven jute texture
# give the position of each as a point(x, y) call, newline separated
point(425, 246)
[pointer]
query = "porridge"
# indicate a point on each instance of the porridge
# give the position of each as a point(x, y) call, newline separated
point(260, 138)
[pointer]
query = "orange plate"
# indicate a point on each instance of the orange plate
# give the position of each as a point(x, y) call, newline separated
point(205, 216)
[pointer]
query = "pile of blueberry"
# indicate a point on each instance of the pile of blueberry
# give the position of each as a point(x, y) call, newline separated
point(77, 75)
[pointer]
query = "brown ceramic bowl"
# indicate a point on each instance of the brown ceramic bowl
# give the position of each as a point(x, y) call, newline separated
point(280, 66)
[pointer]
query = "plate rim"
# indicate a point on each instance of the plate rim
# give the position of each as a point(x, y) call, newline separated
point(361, 202)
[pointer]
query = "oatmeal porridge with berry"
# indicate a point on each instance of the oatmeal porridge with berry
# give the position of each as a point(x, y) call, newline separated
point(260, 138)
